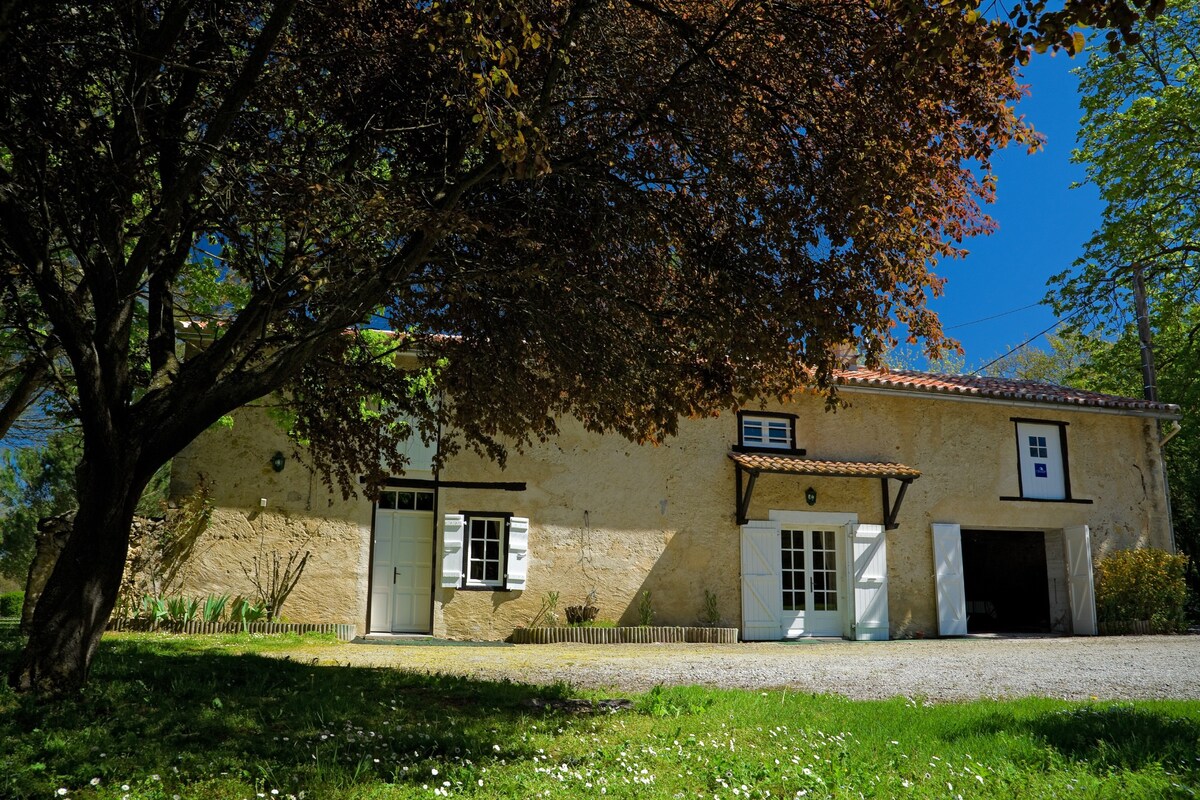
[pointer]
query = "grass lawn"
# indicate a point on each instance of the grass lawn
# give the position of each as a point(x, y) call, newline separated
point(205, 717)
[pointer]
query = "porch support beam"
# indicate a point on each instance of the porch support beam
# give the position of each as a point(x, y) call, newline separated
point(892, 511)
point(742, 499)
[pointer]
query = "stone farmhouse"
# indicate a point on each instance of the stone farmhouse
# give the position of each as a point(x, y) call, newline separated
point(931, 505)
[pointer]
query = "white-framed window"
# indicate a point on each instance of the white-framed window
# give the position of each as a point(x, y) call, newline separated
point(769, 431)
point(485, 550)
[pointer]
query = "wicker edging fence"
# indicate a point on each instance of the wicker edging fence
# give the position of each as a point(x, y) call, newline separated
point(630, 635)
point(343, 632)
point(1126, 627)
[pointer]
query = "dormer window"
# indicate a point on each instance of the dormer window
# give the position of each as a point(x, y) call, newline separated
point(766, 431)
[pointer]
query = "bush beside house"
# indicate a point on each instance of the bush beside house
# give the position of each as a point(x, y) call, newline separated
point(1146, 585)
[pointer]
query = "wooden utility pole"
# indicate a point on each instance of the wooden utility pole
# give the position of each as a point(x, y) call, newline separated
point(1149, 381)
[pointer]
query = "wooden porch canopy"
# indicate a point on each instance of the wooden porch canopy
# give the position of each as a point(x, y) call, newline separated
point(754, 464)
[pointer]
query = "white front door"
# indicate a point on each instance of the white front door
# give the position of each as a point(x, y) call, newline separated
point(402, 566)
point(809, 558)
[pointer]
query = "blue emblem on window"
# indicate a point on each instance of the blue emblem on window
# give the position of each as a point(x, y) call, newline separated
point(1039, 470)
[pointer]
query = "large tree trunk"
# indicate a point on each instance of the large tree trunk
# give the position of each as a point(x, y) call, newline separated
point(75, 605)
point(53, 533)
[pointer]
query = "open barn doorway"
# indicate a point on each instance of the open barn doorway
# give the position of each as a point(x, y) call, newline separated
point(1005, 581)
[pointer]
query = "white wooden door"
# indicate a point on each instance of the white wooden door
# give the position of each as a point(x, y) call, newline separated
point(948, 571)
point(869, 569)
point(1078, 541)
point(810, 600)
point(1040, 447)
point(760, 581)
point(402, 568)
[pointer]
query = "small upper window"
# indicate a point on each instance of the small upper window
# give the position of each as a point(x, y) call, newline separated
point(1043, 472)
point(763, 431)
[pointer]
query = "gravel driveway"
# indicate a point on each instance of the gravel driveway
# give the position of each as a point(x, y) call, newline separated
point(1123, 667)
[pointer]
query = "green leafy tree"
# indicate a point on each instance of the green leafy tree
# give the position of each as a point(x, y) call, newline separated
point(35, 482)
point(1065, 354)
point(623, 211)
point(1140, 143)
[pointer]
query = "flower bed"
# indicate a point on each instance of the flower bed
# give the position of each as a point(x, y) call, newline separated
point(629, 635)
point(343, 632)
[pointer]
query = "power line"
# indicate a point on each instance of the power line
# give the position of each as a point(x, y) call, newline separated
point(993, 316)
point(1036, 336)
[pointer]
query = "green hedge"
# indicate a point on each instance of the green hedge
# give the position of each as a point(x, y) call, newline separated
point(1144, 584)
point(11, 603)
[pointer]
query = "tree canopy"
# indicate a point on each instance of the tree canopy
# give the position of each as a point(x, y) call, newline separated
point(623, 210)
point(1140, 144)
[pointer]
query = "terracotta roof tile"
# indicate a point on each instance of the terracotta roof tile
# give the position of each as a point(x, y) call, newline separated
point(798, 465)
point(998, 389)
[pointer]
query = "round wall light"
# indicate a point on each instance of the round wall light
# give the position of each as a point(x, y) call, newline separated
point(810, 496)
point(277, 461)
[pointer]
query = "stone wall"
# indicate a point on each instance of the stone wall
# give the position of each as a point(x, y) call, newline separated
point(300, 515)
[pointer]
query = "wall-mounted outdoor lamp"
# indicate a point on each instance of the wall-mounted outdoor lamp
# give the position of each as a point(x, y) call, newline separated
point(277, 461)
point(810, 496)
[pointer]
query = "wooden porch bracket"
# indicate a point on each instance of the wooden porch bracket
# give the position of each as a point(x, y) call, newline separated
point(892, 510)
point(742, 501)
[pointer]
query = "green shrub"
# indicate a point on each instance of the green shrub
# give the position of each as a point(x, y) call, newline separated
point(1143, 584)
point(11, 604)
point(645, 609)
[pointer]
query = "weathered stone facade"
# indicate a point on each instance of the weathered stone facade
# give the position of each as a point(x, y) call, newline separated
point(621, 519)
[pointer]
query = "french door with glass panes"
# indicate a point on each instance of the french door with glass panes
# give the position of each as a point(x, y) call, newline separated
point(402, 562)
point(809, 581)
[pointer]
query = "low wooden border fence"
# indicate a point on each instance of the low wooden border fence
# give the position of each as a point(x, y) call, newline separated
point(625, 635)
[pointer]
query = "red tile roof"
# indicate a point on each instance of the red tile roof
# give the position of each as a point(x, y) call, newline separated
point(998, 389)
point(798, 465)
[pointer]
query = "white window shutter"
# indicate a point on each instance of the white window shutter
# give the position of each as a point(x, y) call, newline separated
point(870, 582)
point(1078, 540)
point(948, 569)
point(762, 598)
point(518, 553)
point(453, 533)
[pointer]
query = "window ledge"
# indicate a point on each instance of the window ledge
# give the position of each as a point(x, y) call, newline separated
point(1073, 500)
point(480, 588)
point(774, 451)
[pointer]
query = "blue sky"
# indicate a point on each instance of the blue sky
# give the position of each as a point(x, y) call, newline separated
point(1043, 225)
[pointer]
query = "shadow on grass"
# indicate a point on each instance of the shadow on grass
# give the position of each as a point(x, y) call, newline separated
point(1106, 737)
point(1119, 736)
point(189, 714)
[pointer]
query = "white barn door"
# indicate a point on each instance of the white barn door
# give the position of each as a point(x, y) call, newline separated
point(1078, 541)
point(948, 570)
point(761, 595)
point(868, 553)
